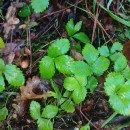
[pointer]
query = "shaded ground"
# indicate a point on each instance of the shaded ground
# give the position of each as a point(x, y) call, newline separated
point(34, 42)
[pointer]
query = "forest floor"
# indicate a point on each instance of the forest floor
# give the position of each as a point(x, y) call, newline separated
point(27, 37)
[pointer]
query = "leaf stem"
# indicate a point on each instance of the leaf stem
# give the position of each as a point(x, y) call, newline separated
point(109, 119)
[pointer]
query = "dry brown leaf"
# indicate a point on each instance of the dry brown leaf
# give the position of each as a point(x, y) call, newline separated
point(76, 55)
point(11, 20)
point(126, 50)
point(35, 88)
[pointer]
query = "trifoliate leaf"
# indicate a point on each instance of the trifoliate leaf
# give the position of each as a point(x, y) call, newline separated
point(90, 57)
point(92, 83)
point(81, 68)
point(79, 94)
point(82, 80)
point(39, 5)
point(78, 26)
point(2, 65)
point(67, 105)
point(100, 65)
point(24, 11)
point(2, 45)
point(116, 47)
point(82, 37)
point(50, 111)
point(3, 113)
point(14, 75)
point(115, 56)
point(47, 68)
point(126, 73)
point(35, 110)
point(120, 64)
point(70, 27)
point(114, 82)
point(45, 124)
point(2, 83)
point(70, 83)
point(59, 47)
point(63, 64)
point(104, 51)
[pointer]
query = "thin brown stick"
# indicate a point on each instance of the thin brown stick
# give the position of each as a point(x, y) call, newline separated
point(56, 12)
point(29, 43)
point(88, 120)
point(29, 97)
point(99, 24)
point(95, 24)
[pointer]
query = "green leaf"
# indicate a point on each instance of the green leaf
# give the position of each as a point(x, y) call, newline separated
point(59, 47)
point(104, 51)
point(44, 124)
point(2, 45)
point(70, 27)
point(56, 89)
point(67, 105)
point(90, 57)
point(2, 83)
point(32, 24)
point(127, 33)
point(120, 100)
point(50, 111)
point(39, 5)
point(14, 75)
point(79, 94)
point(120, 105)
point(120, 64)
point(78, 26)
point(46, 67)
point(92, 83)
point(82, 37)
point(82, 80)
point(63, 64)
point(70, 83)
point(3, 113)
point(126, 73)
point(81, 68)
point(100, 65)
point(24, 11)
point(115, 56)
point(124, 92)
point(86, 127)
point(35, 110)
point(113, 83)
point(2, 65)
point(116, 47)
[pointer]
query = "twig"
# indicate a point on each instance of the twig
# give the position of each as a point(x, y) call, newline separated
point(88, 120)
point(95, 23)
point(29, 43)
point(32, 66)
point(56, 12)
point(29, 97)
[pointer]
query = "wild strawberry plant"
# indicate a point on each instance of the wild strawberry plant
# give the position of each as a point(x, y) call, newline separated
point(81, 75)
point(43, 118)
